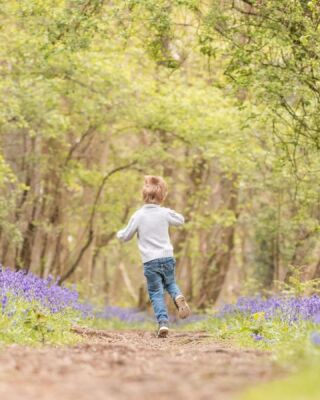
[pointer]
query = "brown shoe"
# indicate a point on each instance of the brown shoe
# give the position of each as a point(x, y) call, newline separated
point(182, 305)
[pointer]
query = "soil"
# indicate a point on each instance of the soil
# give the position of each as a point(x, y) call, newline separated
point(125, 365)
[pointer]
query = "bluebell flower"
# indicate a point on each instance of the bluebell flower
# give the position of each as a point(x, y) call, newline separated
point(47, 292)
point(4, 302)
point(315, 338)
point(257, 337)
point(289, 309)
point(316, 319)
point(130, 315)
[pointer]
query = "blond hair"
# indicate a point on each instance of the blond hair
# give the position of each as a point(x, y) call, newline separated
point(154, 190)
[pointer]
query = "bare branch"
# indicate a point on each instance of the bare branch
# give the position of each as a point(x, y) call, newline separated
point(90, 228)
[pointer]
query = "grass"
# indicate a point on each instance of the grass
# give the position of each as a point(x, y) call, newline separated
point(29, 323)
point(288, 342)
point(290, 345)
point(301, 386)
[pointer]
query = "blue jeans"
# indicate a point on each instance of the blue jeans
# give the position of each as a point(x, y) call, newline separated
point(160, 275)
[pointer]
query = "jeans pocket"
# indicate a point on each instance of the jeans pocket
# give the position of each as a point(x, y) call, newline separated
point(148, 269)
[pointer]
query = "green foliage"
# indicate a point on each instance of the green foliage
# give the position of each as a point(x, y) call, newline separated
point(28, 323)
point(289, 342)
point(296, 286)
point(301, 386)
point(94, 95)
point(290, 347)
point(274, 55)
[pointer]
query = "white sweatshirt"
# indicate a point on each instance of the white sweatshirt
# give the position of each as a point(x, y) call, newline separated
point(151, 223)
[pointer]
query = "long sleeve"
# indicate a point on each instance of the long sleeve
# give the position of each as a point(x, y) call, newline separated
point(129, 231)
point(174, 218)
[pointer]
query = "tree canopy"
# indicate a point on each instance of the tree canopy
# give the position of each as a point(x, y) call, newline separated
point(219, 97)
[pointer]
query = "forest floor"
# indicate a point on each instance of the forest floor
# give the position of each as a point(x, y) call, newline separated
point(125, 365)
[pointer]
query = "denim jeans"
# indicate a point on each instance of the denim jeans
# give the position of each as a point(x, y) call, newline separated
point(160, 275)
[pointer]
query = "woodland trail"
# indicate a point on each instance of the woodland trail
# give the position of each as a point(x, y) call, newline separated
point(125, 365)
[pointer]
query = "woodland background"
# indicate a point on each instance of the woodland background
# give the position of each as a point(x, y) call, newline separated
point(222, 98)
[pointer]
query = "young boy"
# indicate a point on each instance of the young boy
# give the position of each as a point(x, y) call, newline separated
point(151, 223)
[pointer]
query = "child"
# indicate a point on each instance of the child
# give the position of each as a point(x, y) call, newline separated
point(151, 223)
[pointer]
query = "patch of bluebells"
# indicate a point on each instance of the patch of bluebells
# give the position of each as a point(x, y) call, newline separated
point(289, 309)
point(56, 298)
point(134, 315)
point(130, 315)
point(46, 291)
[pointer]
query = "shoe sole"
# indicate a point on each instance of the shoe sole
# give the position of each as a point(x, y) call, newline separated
point(163, 332)
point(183, 308)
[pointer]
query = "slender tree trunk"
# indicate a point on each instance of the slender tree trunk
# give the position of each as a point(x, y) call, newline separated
point(217, 264)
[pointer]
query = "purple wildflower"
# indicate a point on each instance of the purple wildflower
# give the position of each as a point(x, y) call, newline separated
point(316, 319)
point(4, 302)
point(315, 338)
point(257, 337)
point(131, 315)
point(20, 284)
point(287, 308)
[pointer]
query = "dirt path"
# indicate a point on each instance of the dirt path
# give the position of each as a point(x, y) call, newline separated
point(131, 365)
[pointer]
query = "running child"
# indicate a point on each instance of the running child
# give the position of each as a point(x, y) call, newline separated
point(151, 224)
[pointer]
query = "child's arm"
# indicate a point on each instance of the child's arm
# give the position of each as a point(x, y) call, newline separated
point(174, 218)
point(129, 231)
